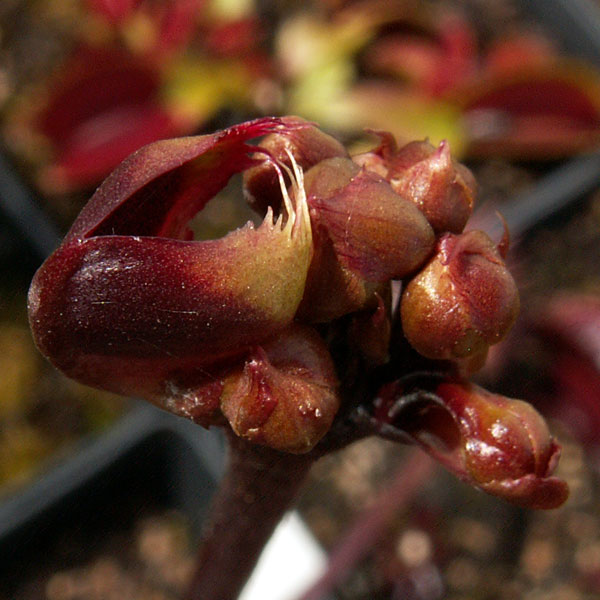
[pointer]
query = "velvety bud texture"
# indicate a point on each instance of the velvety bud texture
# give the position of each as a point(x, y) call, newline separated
point(281, 329)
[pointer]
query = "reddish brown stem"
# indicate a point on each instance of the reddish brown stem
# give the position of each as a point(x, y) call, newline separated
point(259, 486)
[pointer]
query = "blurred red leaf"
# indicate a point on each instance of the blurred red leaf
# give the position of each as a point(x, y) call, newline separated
point(550, 111)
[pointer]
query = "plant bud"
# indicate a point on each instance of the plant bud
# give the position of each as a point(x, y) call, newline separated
point(365, 235)
point(503, 446)
point(497, 444)
point(307, 144)
point(285, 395)
point(442, 189)
point(461, 302)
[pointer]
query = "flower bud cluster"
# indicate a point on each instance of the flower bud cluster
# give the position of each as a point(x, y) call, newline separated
point(273, 328)
point(399, 214)
point(464, 299)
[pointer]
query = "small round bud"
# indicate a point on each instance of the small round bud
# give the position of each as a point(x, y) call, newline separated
point(285, 395)
point(443, 189)
point(505, 447)
point(463, 301)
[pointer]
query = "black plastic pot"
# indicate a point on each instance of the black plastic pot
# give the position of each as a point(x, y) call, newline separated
point(146, 463)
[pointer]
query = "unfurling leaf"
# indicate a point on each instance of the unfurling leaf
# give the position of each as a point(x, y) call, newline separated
point(307, 144)
point(129, 304)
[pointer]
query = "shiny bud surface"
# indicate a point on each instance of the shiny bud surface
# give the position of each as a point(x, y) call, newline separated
point(505, 447)
point(462, 301)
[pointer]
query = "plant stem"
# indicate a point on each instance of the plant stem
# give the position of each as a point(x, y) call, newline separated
point(259, 486)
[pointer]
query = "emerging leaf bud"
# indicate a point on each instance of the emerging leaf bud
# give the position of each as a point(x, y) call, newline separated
point(443, 189)
point(463, 301)
point(306, 143)
point(504, 446)
point(497, 444)
point(285, 395)
point(365, 235)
